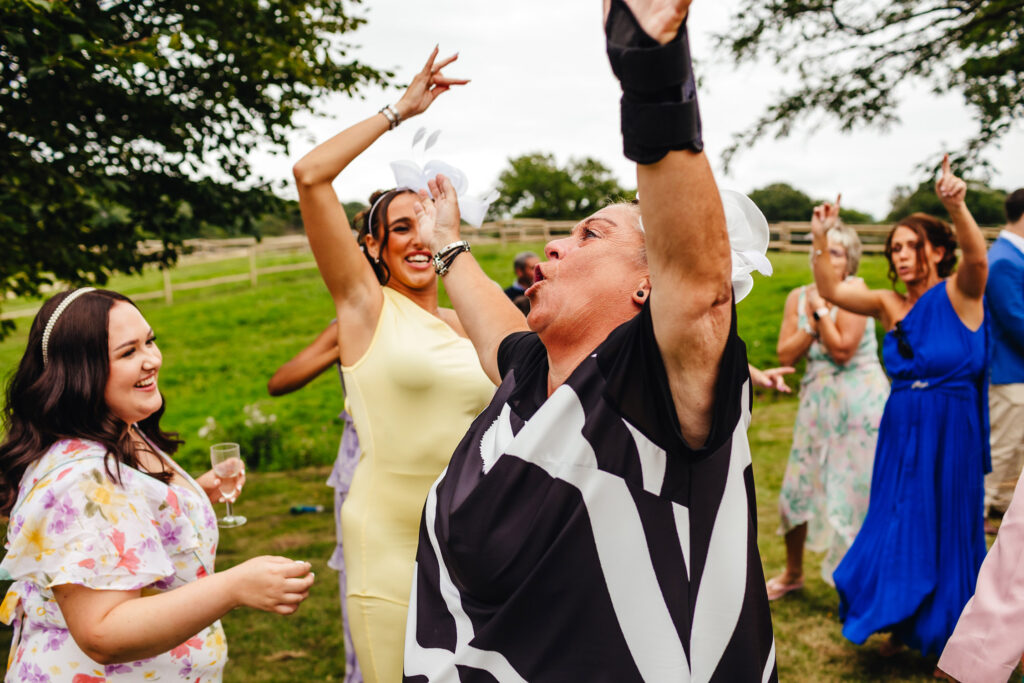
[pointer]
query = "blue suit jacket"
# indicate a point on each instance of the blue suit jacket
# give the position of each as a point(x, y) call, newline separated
point(1004, 297)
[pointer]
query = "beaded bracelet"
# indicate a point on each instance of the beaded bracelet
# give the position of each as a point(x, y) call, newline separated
point(393, 117)
point(443, 259)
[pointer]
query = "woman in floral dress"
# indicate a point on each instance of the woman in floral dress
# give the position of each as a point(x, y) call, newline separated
point(111, 544)
point(824, 493)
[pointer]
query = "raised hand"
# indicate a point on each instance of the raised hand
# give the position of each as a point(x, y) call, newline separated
point(427, 86)
point(441, 213)
point(825, 217)
point(951, 190)
point(660, 19)
point(272, 584)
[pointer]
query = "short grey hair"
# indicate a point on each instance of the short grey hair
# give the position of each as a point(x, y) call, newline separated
point(634, 211)
point(848, 239)
point(521, 258)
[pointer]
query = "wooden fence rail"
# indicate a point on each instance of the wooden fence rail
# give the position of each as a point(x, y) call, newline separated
point(785, 237)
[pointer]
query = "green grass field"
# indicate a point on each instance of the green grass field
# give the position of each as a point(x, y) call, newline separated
point(221, 345)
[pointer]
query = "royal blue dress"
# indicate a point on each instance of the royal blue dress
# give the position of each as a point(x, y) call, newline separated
point(913, 566)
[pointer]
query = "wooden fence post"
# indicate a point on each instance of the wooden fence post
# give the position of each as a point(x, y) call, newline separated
point(785, 236)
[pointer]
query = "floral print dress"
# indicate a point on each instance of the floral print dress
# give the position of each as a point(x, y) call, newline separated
point(828, 477)
point(73, 524)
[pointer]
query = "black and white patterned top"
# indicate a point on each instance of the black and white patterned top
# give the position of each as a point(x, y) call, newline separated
point(577, 538)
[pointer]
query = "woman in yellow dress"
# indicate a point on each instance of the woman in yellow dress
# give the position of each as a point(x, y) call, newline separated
point(413, 380)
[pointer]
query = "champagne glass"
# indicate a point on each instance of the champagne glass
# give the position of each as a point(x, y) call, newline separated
point(228, 466)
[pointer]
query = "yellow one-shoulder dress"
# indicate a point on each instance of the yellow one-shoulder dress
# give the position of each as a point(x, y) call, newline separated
point(412, 396)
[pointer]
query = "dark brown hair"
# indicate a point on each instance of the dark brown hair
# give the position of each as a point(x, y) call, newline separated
point(64, 399)
point(938, 233)
point(1015, 205)
point(380, 228)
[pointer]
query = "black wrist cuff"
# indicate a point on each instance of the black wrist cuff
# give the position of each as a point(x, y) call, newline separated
point(650, 131)
point(659, 109)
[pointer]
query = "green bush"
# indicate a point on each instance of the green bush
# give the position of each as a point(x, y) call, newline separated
point(257, 434)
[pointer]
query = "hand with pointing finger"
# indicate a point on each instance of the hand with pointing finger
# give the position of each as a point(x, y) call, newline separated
point(951, 190)
point(427, 86)
point(825, 217)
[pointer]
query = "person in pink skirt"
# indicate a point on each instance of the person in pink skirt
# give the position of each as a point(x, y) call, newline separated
point(988, 640)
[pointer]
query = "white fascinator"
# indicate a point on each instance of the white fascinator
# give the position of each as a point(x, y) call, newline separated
point(748, 238)
point(410, 174)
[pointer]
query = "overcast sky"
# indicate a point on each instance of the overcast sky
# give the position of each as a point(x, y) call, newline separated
point(541, 82)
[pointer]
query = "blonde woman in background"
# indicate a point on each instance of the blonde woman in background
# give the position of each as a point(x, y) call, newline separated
point(824, 494)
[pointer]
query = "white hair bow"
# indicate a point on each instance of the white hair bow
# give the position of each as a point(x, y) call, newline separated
point(409, 174)
point(748, 239)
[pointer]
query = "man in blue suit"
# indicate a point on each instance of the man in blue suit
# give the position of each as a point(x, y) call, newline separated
point(1005, 297)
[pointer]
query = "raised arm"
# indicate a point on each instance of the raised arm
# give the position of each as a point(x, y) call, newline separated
point(969, 281)
point(487, 315)
point(307, 364)
point(849, 295)
point(687, 245)
point(347, 274)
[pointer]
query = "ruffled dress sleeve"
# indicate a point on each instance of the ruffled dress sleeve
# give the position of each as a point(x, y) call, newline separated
point(73, 524)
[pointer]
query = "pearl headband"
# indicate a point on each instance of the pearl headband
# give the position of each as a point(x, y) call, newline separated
point(411, 175)
point(369, 216)
point(56, 314)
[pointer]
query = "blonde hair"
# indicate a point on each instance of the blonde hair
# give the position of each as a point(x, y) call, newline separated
point(849, 240)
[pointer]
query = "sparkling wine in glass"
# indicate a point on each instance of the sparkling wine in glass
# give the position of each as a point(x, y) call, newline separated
point(228, 466)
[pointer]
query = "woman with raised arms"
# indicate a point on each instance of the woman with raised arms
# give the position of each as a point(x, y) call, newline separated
point(915, 561)
point(597, 522)
point(412, 379)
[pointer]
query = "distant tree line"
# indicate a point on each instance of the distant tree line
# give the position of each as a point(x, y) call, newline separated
point(535, 185)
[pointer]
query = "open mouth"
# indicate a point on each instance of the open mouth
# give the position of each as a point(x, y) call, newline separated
point(538, 278)
point(147, 383)
point(420, 259)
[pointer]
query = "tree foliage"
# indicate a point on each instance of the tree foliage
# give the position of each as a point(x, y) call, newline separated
point(850, 57)
point(130, 120)
point(783, 202)
point(535, 186)
point(987, 205)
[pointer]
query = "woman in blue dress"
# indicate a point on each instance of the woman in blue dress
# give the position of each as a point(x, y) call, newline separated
point(913, 566)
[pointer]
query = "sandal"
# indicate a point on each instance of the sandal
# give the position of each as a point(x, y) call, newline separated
point(777, 589)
